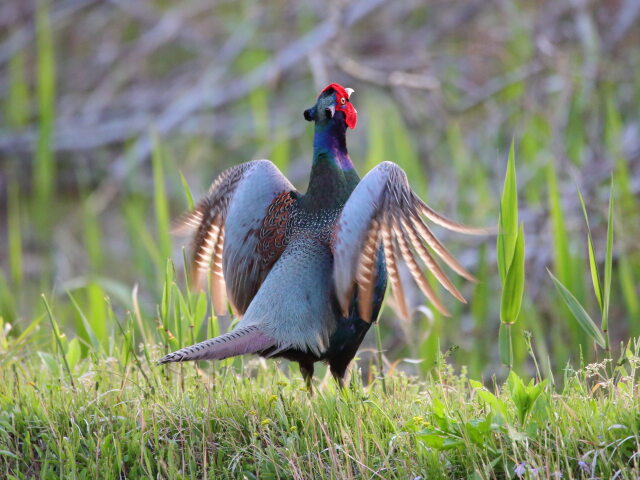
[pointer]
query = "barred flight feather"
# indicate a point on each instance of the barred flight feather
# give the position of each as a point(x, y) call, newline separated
point(218, 287)
point(205, 245)
point(443, 221)
point(418, 275)
point(365, 276)
point(428, 260)
point(391, 256)
point(425, 232)
point(188, 223)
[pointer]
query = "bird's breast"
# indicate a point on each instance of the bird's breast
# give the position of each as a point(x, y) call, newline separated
point(294, 304)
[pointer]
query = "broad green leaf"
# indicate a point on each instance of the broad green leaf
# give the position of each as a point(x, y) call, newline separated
point(475, 384)
point(523, 396)
point(506, 242)
point(498, 407)
point(73, 353)
point(50, 362)
point(579, 313)
point(438, 440)
point(513, 289)
point(593, 265)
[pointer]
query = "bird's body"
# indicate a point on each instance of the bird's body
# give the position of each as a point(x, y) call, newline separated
point(307, 273)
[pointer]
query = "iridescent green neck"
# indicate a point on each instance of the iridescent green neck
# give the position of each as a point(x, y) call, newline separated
point(330, 143)
point(333, 176)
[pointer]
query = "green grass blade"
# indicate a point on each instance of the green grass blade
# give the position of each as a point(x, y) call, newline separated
point(14, 234)
point(561, 255)
point(480, 307)
point(593, 264)
point(57, 335)
point(161, 203)
point(44, 169)
point(578, 311)
point(8, 308)
point(507, 234)
point(187, 192)
point(92, 237)
point(628, 284)
point(514, 283)
point(17, 106)
point(608, 262)
point(91, 336)
point(30, 328)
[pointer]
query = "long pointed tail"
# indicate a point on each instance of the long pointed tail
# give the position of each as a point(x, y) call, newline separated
point(237, 342)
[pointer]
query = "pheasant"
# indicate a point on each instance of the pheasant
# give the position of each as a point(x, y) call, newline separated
point(307, 273)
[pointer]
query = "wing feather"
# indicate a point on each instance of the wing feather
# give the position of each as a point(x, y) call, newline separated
point(384, 208)
point(443, 221)
point(366, 272)
point(424, 231)
point(218, 286)
point(391, 255)
point(188, 223)
point(206, 241)
point(429, 261)
point(226, 224)
point(418, 275)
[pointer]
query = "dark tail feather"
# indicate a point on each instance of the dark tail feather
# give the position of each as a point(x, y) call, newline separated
point(237, 342)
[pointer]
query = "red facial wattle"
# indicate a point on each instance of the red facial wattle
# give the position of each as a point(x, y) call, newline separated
point(343, 104)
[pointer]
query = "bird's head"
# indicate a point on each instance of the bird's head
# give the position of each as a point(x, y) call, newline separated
point(333, 105)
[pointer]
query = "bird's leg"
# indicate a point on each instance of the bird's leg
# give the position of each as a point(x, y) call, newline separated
point(339, 374)
point(306, 369)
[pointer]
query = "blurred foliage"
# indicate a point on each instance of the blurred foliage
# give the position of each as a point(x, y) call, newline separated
point(107, 106)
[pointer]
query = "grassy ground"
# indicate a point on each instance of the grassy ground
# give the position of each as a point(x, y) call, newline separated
point(84, 218)
point(94, 166)
point(121, 417)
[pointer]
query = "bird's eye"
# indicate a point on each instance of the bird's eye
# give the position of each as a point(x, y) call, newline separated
point(343, 100)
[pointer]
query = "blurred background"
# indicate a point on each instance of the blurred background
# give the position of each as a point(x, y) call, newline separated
point(110, 109)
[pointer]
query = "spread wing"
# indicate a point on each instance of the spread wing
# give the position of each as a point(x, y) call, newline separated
point(383, 210)
point(239, 231)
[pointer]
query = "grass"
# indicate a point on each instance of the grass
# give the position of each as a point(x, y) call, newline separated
point(122, 417)
point(80, 395)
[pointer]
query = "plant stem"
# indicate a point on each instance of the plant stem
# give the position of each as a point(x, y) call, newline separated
point(505, 345)
point(56, 333)
point(380, 363)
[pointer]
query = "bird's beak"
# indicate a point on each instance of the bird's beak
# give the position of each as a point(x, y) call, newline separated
point(310, 114)
point(349, 91)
